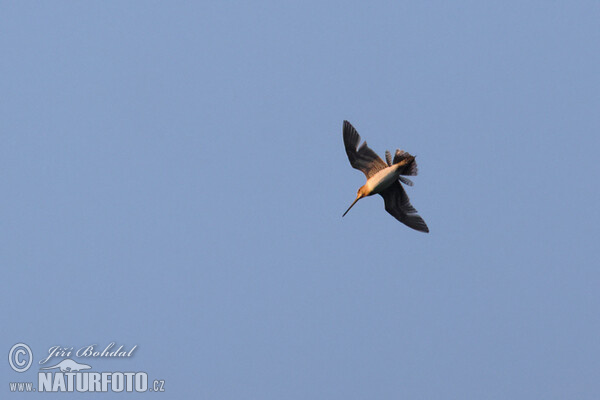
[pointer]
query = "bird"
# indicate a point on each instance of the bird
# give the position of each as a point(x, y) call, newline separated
point(384, 179)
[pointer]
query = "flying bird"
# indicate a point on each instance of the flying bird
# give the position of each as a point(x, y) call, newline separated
point(384, 179)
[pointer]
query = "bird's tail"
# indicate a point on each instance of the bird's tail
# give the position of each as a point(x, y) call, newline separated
point(410, 168)
point(406, 181)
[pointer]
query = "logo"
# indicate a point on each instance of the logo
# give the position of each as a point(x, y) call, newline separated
point(68, 365)
point(14, 357)
point(69, 375)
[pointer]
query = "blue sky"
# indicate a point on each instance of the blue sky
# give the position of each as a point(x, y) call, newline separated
point(174, 177)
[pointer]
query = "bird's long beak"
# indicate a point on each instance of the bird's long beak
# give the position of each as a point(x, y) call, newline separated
point(353, 203)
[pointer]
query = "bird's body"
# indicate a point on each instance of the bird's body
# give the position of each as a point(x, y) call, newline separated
point(384, 179)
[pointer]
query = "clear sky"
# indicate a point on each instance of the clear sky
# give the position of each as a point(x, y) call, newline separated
point(173, 177)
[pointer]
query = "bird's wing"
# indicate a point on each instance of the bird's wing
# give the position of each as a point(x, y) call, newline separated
point(364, 158)
point(398, 205)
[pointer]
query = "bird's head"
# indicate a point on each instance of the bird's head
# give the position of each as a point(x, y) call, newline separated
point(362, 192)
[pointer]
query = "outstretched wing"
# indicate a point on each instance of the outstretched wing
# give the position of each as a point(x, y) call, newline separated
point(363, 158)
point(398, 205)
